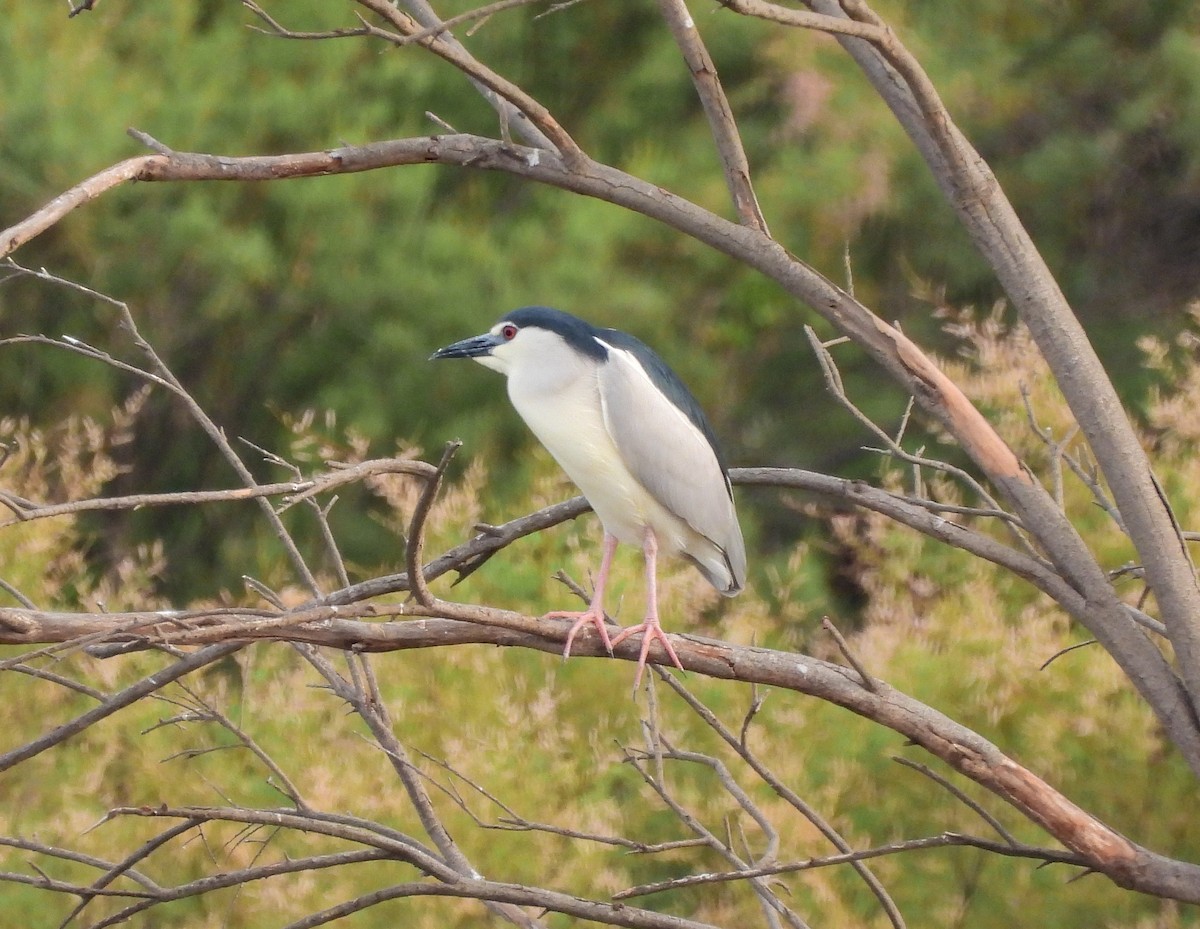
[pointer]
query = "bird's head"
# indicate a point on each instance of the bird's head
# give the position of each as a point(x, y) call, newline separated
point(527, 338)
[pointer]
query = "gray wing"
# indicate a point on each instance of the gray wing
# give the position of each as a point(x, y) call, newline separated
point(670, 455)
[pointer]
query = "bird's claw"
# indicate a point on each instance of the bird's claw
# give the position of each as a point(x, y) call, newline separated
point(651, 631)
point(594, 617)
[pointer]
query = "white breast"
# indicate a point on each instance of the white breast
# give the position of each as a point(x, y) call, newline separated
point(564, 413)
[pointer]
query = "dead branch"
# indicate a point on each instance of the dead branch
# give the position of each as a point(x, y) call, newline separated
point(739, 744)
point(944, 840)
point(981, 205)
point(126, 866)
point(833, 382)
point(236, 878)
point(1107, 617)
point(844, 647)
point(292, 492)
point(445, 47)
point(205, 711)
point(124, 698)
point(66, 854)
point(720, 115)
point(774, 908)
point(1066, 571)
point(964, 750)
point(362, 694)
point(416, 527)
point(961, 797)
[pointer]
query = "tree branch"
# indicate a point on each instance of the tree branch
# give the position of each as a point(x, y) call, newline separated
point(979, 201)
point(1124, 862)
point(120, 700)
point(293, 492)
point(945, 840)
point(446, 47)
point(1069, 572)
point(720, 115)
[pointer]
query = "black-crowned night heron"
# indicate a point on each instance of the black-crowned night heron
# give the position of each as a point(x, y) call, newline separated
point(632, 438)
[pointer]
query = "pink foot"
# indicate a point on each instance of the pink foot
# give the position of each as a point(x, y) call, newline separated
point(650, 631)
point(588, 616)
point(594, 614)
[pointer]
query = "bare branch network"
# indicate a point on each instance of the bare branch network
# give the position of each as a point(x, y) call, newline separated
point(1007, 502)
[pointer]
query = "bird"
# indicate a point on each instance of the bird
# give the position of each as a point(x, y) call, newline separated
point(633, 439)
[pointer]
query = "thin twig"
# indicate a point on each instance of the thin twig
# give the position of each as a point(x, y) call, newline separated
point(217, 435)
point(416, 528)
point(960, 796)
point(241, 877)
point(513, 822)
point(126, 866)
point(944, 840)
point(758, 698)
point(17, 595)
point(364, 697)
point(655, 781)
point(118, 701)
point(59, 679)
point(76, 857)
point(161, 375)
point(278, 777)
point(293, 492)
point(512, 103)
point(843, 646)
point(1063, 651)
point(833, 382)
point(791, 798)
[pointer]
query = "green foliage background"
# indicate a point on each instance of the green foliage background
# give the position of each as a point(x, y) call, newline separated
point(329, 294)
point(546, 737)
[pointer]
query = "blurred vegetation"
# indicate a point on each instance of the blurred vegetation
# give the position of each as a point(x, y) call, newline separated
point(330, 293)
point(544, 736)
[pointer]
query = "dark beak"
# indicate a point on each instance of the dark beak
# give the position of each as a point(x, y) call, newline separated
point(469, 348)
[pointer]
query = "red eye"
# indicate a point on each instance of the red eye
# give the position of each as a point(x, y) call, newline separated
point(509, 332)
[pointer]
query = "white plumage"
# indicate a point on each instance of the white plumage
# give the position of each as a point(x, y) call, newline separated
point(631, 437)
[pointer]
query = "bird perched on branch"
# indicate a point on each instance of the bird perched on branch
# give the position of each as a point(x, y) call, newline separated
point(632, 438)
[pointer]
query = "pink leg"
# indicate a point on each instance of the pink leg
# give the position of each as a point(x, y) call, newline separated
point(594, 614)
point(650, 629)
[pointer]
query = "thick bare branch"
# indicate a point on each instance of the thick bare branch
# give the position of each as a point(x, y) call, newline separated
point(1124, 862)
point(98, 184)
point(1107, 619)
point(30, 625)
point(978, 199)
point(1068, 572)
